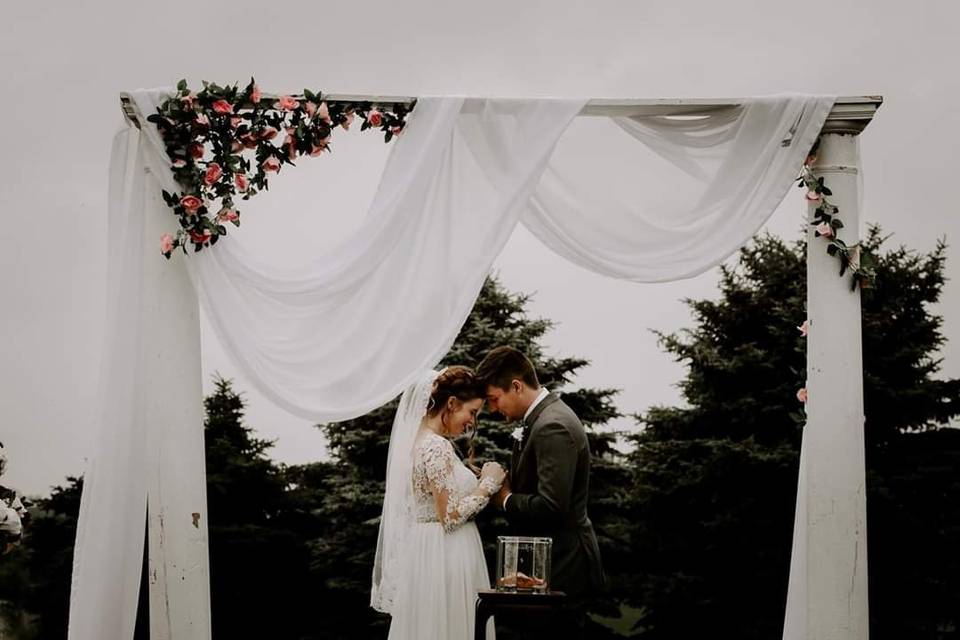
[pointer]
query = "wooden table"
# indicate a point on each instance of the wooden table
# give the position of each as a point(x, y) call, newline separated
point(491, 602)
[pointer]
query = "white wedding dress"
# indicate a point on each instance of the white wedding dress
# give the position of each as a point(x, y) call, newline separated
point(443, 565)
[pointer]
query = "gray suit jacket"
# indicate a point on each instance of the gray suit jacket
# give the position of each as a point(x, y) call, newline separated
point(550, 480)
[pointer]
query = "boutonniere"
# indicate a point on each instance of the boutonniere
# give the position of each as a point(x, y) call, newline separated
point(518, 434)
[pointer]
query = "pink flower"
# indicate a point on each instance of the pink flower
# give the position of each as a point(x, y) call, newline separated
point(213, 173)
point(396, 131)
point(311, 107)
point(802, 395)
point(813, 196)
point(222, 106)
point(235, 121)
point(203, 120)
point(240, 179)
point(271, 165)
point(348, 121)
point(200, 237)
point(196, 151)
point(255, 95)
point(236, 146)
point(227, 215)
point(324, 112)
point(374, 117)
point(166, 243)
point(191, 203)
point(179, 163)
point(248, 141)
point(268, 134)
point(825, 230)
point(286, 103)
point(804, 328)
point(187, 100)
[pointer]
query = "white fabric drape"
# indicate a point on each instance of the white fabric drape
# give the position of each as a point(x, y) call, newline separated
point(347, 331)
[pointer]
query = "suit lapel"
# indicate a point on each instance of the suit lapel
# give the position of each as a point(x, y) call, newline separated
point(520, 449)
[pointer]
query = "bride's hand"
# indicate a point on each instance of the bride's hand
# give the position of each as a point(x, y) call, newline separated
point(493, 471)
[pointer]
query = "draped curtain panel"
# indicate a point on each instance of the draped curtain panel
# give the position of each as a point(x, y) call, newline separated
point(347, 331)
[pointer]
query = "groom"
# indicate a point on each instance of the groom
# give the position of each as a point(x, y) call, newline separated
point(546, 491)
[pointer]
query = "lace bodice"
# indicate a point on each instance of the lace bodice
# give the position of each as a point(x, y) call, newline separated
point(443, 485)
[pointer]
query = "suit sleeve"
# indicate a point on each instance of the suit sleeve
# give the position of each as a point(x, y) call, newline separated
point(556, 455)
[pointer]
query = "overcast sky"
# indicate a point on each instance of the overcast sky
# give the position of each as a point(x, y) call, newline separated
point(63, 65)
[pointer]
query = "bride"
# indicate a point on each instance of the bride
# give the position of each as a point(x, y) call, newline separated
point(429, 563)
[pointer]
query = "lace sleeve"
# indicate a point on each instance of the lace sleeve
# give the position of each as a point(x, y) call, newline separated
point(437, 460)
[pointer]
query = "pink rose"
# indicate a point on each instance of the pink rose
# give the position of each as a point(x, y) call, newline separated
point(196, 151)
point(236, 146)
point(235, 121)
point(813, 196)
point(222, 106)
point(166, 243)
point(310, 107)
point(286, 103)
point(191, 203)
point(248, 141)
point(241, 181)
point(804, 328)
point(802, 395)
point(825, 230)
point(324, 112)
point(396, 131)
point(374, 117)
point(187, 100)
point(200, 237)
point(268, 134)
point(255, 95)
point(271, 165)
point(203, 120)
point(348, 121)
point(179, 163)
point(227, 215)
point(213, 173)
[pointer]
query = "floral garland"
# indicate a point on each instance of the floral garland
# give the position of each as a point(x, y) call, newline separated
point(220, 144)
point(825, 219)
point(13, 513)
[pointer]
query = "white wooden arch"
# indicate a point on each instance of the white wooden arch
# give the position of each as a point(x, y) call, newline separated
point(828, 579)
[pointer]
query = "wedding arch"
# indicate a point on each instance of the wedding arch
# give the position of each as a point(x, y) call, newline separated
point(313, 338)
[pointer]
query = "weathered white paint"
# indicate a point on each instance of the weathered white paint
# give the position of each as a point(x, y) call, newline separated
point(828, 577)
point(178, 562)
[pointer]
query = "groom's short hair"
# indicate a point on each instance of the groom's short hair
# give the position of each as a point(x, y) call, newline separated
point(503, 364)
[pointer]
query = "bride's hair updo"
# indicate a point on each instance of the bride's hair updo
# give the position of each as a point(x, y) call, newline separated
point(454, 382)
point(461, 383)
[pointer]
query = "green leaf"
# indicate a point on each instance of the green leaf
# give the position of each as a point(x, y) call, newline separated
point(182, 85)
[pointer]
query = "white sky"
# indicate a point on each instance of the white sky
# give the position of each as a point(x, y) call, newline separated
point(63, 65)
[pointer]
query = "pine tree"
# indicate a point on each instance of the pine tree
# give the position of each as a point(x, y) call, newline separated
point(715, 480)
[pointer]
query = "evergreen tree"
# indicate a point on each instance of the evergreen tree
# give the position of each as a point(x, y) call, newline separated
point(715, 480)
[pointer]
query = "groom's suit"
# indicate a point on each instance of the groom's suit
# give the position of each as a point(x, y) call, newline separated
point(550, 477)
